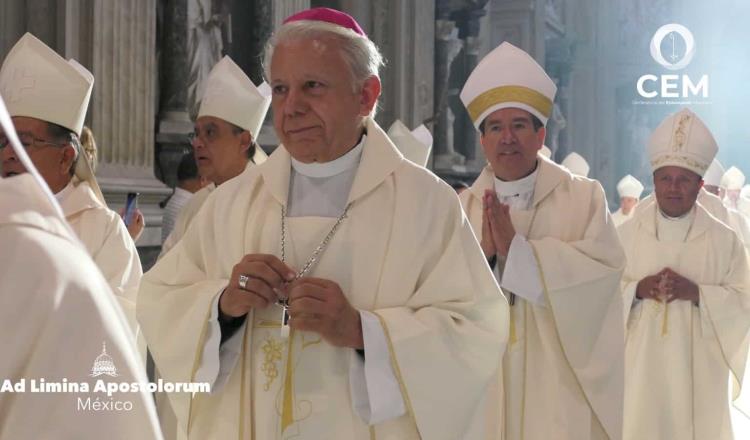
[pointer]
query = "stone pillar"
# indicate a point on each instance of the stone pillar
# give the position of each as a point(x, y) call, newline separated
point(466, 18)
point(173, 121)
point(470, 147)
point(404, 32)
point(123, 107)
point(43, 18)
point(447, 46)
point(520, 22)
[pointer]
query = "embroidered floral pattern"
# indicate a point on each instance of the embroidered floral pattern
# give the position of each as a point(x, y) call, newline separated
point(679, 139)
point(271, 356)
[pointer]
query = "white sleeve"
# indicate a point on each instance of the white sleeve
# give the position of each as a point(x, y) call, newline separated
point(375, 391)
point(521, 274)
point(218, 360)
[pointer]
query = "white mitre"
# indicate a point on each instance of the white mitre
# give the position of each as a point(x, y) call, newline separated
point(415, 145)
point(546, 152)
point(629, 186)
point(508, 77)
point(714, 174)
point(576, 164)
point(733, 179)
point(682, 140)
point(38, 83)
point(230, 95)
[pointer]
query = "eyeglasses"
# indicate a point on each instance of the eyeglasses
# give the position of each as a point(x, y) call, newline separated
point(29, 141)
point(210, 134)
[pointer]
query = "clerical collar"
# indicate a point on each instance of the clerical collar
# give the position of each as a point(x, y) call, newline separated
point(686, 216)
point(516, 187)
point(64, 193)
point(334, 167)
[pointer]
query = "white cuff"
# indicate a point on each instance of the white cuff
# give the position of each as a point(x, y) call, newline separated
point(218, 360)
point(521, 274)
point(375, 391)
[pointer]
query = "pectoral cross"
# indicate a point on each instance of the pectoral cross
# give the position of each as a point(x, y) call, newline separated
point(284, 303)
point(662, 292)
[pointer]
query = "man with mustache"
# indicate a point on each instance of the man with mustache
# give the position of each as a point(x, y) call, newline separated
point(549, 238)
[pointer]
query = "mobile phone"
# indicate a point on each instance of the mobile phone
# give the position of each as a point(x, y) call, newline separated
point(130, 206)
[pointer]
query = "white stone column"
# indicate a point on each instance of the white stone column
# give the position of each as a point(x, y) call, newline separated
point(405, 32)
point(122, 110)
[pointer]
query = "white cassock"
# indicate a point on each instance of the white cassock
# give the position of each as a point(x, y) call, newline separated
point(618, 217)
point(176, 202)
point(434, 319)
point(107, 241)
point(56, 311)
point(563, 370)
point(680, 358)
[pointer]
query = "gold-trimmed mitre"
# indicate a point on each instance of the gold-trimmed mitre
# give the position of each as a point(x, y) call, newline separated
point(508, 77)
point(683, 140)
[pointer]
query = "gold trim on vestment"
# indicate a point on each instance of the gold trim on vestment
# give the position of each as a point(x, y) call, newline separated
point(243, 372)
point(287, 408)
point(397, 373)
point(503, 94)
point(198, 353)
point(679, 160)
point(552, 313)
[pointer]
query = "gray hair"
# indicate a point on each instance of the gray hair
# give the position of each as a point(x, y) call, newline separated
point(65, 135)
point(359, 53)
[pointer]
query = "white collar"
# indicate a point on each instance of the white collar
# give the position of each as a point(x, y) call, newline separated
point(65, 192)
point(334, 167)
point(182, 192)
point(684, 217)
point(516, 187)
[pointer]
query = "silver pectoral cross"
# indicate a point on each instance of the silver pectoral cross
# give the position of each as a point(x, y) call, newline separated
point(284, 303)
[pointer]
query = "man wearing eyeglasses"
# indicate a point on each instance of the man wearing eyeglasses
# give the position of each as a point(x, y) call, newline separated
point(229, 120)
point(47, 98)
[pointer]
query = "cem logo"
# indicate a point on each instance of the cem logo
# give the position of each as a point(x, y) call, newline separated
point(672, 85)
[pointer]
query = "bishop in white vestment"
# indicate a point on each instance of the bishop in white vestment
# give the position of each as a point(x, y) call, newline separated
point(229, 120)
point(395, 324)
point(629, 189)
point(550, 238)
point(56, 313)
point(49, 118)
point(686, 288)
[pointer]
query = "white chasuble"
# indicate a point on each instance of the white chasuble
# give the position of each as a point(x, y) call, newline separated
point(56, 311)
point(680, 357)
point(405, 252)
point(107, 241)
point(562, 375)
point(186, 216)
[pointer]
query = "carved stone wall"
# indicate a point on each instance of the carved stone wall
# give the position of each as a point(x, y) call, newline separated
point(116, 41)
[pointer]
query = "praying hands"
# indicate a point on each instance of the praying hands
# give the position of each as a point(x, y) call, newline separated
point(497, 228)
point(667, 286)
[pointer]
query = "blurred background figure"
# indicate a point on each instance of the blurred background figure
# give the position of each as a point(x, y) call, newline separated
point(188, 183)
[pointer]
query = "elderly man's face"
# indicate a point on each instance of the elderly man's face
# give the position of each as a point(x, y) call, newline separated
point(317, 113)
point(220, 150)
point(676, 189)
point(510, 143)
point(51, 158)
